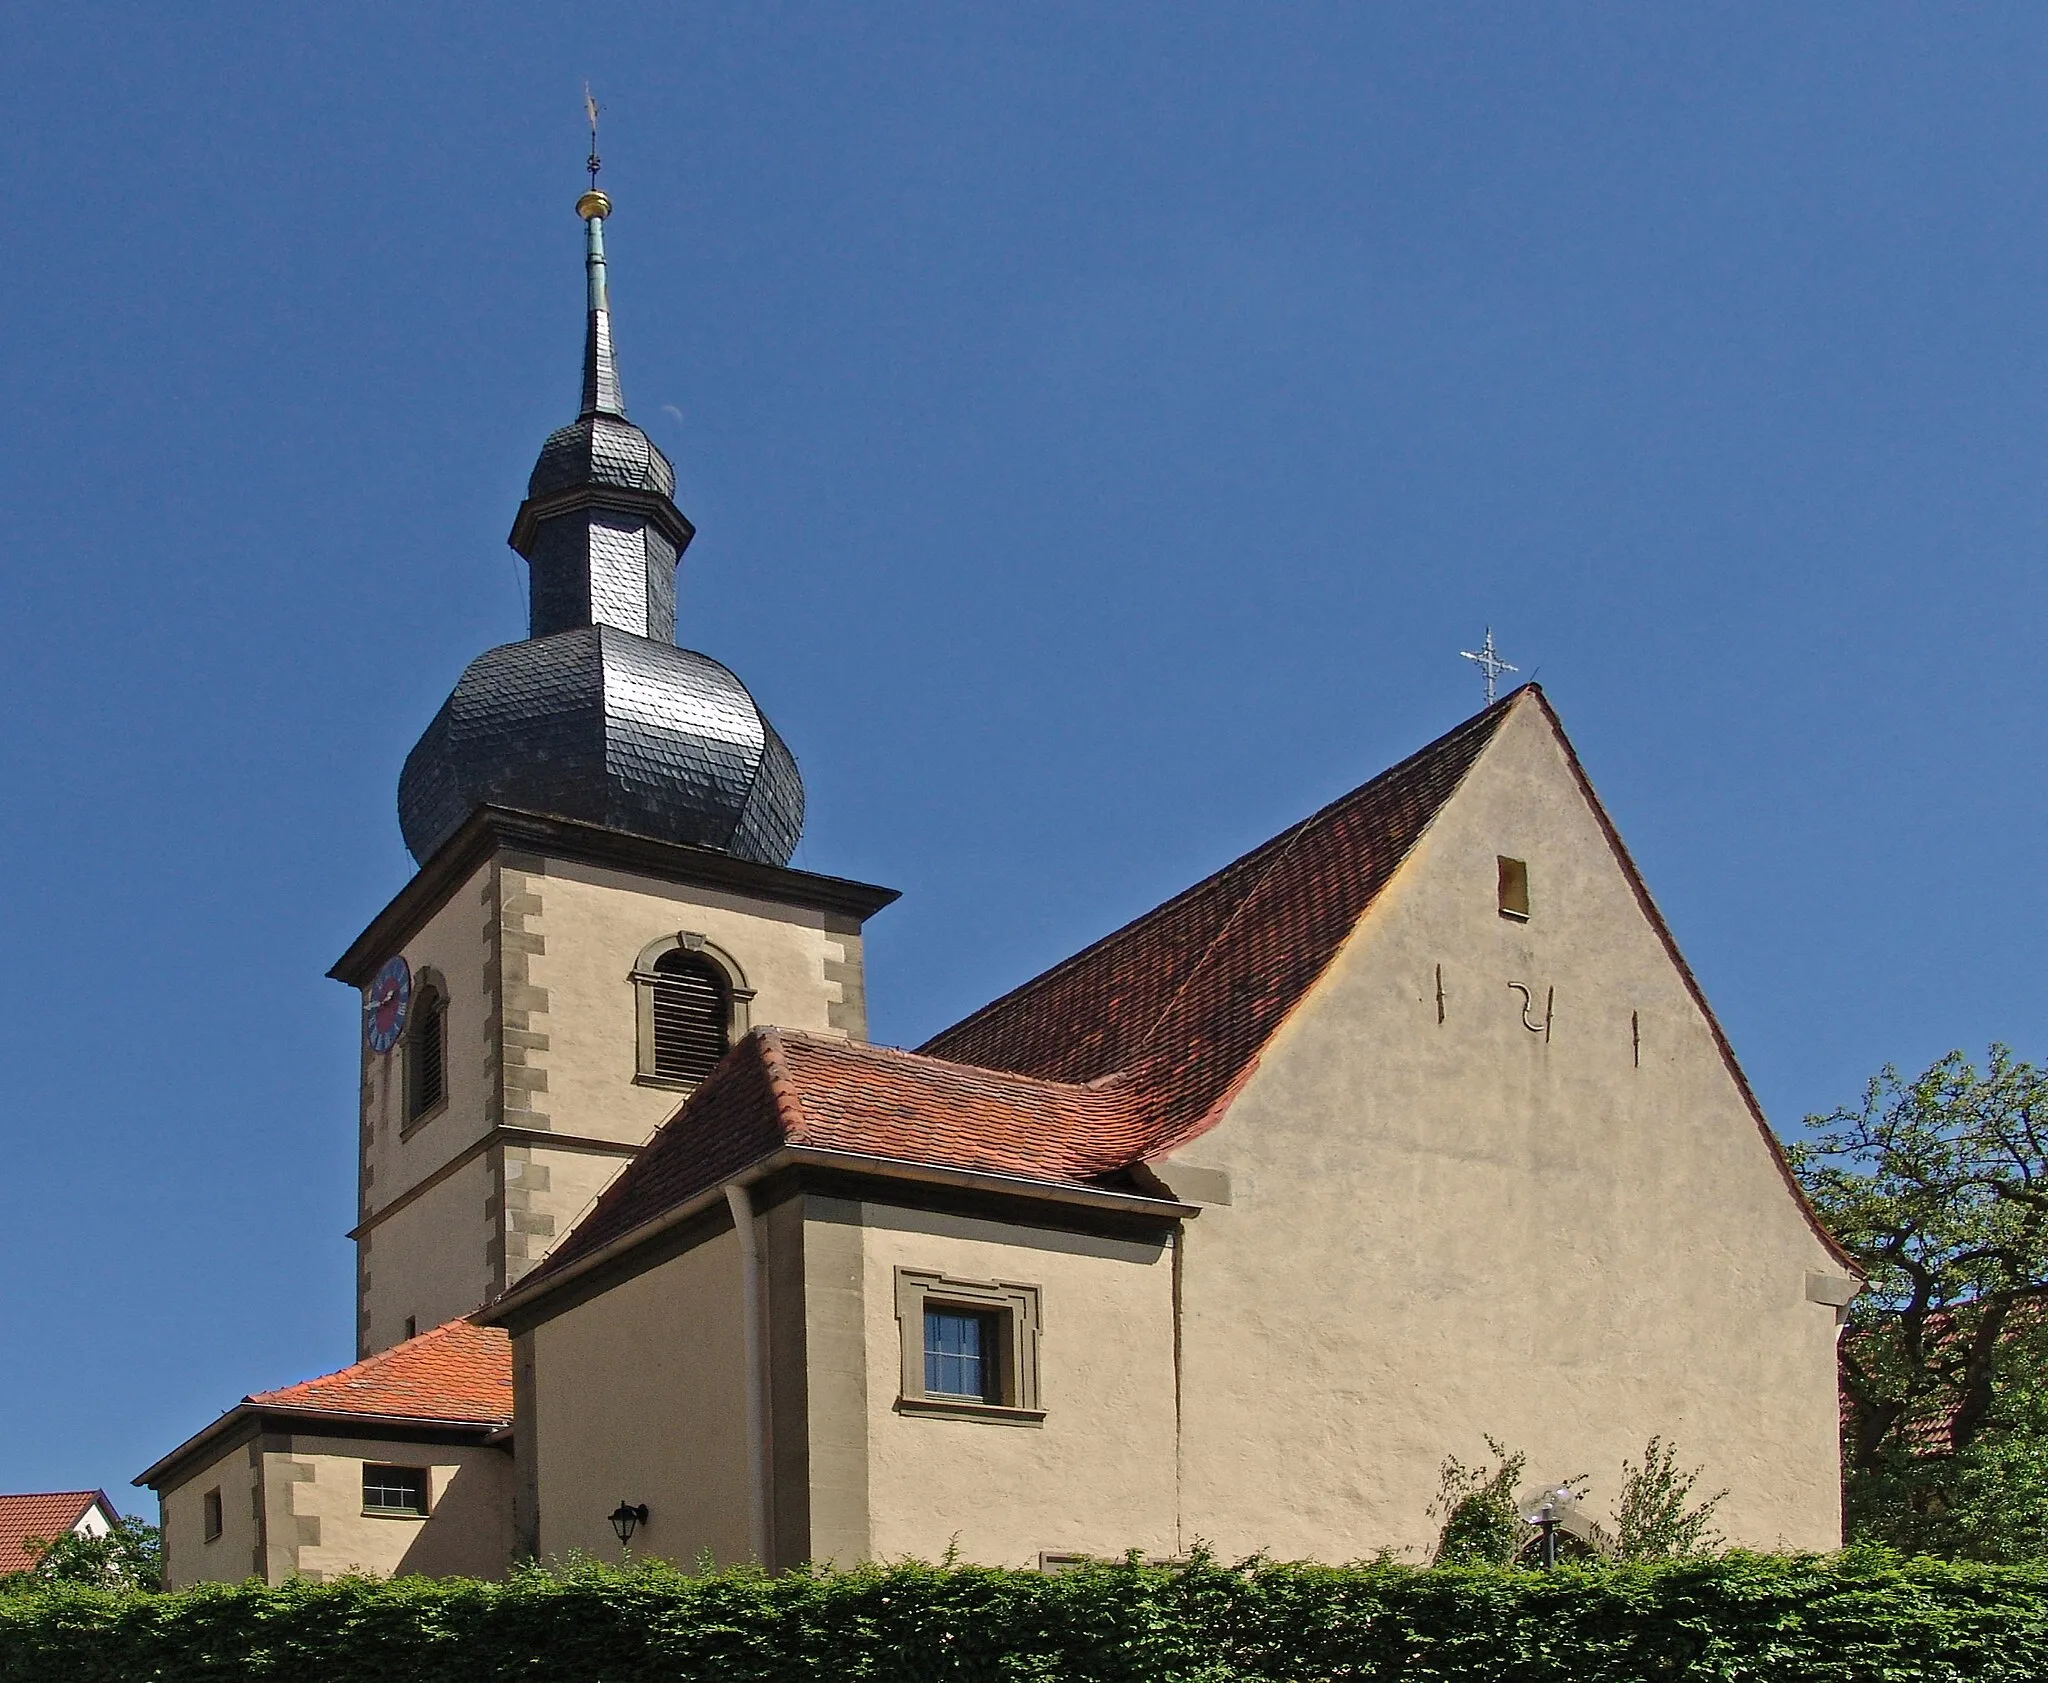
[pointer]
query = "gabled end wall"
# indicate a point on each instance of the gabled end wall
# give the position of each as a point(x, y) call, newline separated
point(1501, 1176)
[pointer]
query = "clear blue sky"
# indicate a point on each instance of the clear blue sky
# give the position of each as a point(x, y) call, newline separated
point(1105, 424)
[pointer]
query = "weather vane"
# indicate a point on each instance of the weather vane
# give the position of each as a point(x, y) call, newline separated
point(1489, 662)
point(592, 163)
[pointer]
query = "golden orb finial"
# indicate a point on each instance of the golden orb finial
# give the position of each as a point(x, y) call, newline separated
point(593, 206)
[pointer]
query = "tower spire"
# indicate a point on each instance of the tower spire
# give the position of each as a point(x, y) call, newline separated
point(599, 528)
point(597, 716)
point(601, 394)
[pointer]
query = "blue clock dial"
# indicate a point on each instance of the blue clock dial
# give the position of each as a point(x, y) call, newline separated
point(384, 1006)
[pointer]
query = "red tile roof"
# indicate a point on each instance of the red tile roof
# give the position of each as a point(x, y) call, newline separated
point(459, 1372)
point(456, 1375)
point(1114, 1056)
point(1182, 1001)
point(46, 1515)
point(1932, 1430)
point(782, 1087)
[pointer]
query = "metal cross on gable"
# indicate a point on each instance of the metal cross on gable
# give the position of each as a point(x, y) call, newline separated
point(1488, 660)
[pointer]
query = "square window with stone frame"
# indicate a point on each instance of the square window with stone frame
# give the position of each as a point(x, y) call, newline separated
point(395, 1491)
point(970, 1347)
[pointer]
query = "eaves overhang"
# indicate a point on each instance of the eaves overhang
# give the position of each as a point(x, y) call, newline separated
point(491, 828)
point(522, 1306)
point(651, 506)
point(248, 1419)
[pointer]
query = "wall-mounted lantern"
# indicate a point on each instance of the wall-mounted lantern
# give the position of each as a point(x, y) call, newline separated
point(625, 1516)
point(1552, 1509)
point(1546, 1522)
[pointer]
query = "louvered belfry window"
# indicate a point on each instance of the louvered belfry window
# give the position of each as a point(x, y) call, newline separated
point(426, 1051)
point(691, 1014)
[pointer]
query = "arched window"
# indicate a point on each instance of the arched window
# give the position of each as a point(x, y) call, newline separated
point(426, 1052)
point(693, 1006)
point(692, 1016)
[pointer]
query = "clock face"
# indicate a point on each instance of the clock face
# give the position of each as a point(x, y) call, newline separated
point(384, 1005)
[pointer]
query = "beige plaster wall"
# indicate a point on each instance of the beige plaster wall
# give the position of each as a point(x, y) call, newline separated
point(429, 1259)
point(1440, 1230)
point(593, 925)
point(547, 1191)
point(315, 1492)
point(639, 1396)
point(455, 942)
point(1097, 1475)
point(820, 1426)
point(543, 1037)
point(232, 1556)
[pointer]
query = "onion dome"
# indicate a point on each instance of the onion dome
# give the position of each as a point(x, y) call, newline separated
point(597, 715)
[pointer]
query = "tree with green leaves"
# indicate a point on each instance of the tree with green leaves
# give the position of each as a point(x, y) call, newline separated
point(1938, 1187)
point(1655, 1515)
point(128, 1557)
point(1480, 1524)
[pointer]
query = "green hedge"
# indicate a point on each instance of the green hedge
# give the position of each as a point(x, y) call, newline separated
point(1857, 1617)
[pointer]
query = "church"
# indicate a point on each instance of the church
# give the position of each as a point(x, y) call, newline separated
point(1408, 1128)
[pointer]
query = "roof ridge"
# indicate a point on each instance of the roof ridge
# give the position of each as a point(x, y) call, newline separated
point(1199, 1125)
point(375, 1362)
point(1089, 1082)
point(1277, 845)
point(1147, 916)
point(44, 1515)
point(789, 1106)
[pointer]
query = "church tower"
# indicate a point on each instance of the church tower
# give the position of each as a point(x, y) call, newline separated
point(603, 823)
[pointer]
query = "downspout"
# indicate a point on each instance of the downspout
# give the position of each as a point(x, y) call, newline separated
point(1180, 1239)
point(757, 1412)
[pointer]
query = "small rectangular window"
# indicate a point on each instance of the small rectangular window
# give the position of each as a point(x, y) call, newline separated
point(395, 1490)
point(1514, 887)
point(412, 1326)
point(210, 1507)
point(970, 1347)
point(961, 1354)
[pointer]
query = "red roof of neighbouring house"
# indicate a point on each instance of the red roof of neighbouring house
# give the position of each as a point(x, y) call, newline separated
point(456, 1372)
point(46, 1515)
point(1115, 1056)
point(1932, 1431)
